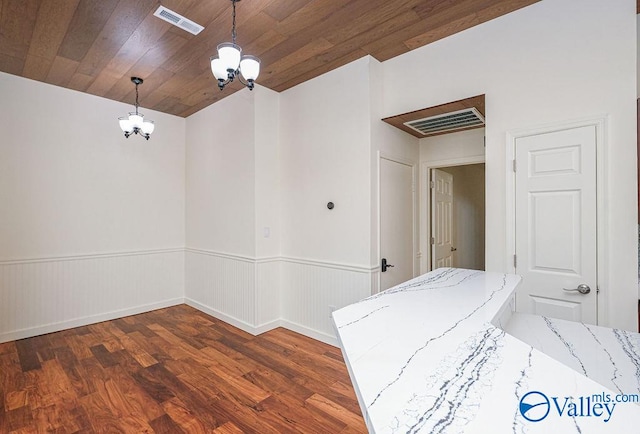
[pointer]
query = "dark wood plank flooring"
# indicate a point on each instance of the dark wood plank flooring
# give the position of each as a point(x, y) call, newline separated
point(174, 370)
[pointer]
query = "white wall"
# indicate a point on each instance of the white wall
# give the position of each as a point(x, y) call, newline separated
point(638, 94)
point(72, 184)
point(220, 198)
point(549, 62)
point(220, 209)
point(267, 173)
point(393, 143)
point(638, 55)
point(91, 223)
point(296, 151)
point(325, 144)
point(268, 189)
point(325, 148)
point(445, 148)
point(233, 175)
point(232, 196)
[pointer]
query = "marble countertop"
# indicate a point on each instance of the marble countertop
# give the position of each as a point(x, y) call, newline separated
point(611, 357)
point(430, 356)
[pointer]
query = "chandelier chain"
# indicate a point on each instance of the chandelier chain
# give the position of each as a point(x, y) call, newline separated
point(233, 28)
point(136, 98)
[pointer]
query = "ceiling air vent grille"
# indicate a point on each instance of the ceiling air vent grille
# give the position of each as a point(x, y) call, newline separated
point(178, 20)
point(447, 122)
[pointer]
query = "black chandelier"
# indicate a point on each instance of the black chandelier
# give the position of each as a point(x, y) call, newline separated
point(229, 63)
point(135, 123)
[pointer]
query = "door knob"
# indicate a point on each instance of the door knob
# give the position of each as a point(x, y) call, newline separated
point(384, 265)
point(582, 289)
point(453, 249)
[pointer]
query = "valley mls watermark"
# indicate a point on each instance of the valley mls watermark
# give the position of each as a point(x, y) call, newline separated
point(536, 406)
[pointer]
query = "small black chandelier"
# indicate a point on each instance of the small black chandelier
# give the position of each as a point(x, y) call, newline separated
point(135, 123)
point(229, 63)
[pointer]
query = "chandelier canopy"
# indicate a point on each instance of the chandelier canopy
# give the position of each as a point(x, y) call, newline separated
point(135, 123)
point(229, 63)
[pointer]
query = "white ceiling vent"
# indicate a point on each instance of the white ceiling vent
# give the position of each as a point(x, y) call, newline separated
point(178, 20)
point(447, 122)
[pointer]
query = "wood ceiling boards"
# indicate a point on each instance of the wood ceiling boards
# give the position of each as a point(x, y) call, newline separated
point(95, 46)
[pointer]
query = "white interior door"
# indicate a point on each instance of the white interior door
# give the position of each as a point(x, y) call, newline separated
point(556, 224)
point(396, 222)
point(441, 219)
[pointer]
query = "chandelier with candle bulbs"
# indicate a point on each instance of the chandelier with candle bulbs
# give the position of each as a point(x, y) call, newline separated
point(229, 63)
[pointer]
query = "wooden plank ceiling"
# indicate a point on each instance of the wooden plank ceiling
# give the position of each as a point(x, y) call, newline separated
point(95, 46)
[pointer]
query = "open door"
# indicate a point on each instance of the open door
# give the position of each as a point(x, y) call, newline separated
point(442, 219)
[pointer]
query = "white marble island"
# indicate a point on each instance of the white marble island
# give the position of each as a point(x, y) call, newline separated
point(430, 356)
point(611, 357)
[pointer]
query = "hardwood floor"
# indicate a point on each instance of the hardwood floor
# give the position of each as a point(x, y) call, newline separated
point(174, 370)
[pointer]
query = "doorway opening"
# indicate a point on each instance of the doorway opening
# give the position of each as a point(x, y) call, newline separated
point(450, 135)
point(457, 216)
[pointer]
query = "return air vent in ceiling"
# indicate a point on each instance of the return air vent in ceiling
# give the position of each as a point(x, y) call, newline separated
point(178, 20)
point(447, 122)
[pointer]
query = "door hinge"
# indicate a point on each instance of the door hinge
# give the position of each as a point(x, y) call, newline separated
point(515, 261)
point(433, 240)
point(432, 184)
point(514, 165)
point(485, 141)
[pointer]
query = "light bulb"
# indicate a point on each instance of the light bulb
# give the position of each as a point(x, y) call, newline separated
point(136, 119)
point(229, 55)
point(218, 69)
point(148, 127)
point(250, 67)
point(125, 124)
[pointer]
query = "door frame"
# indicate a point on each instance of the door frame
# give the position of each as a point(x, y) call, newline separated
point(602, 271)
point(425, 202)
point(414, 205)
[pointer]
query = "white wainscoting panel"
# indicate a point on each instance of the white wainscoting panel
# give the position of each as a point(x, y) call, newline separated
point(222, 285)
point(258, 295)
point(50, 294)
point(310, 287)
point(268, 293)
point(45, 295)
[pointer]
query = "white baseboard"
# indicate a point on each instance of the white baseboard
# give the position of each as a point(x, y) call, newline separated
point(267, 326)
point(107, 316)
point(244, 326)
point(314, 334)
point(87, 320)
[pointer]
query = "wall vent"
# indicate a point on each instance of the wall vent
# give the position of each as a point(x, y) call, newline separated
point(178, 20)
point(447, 122)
